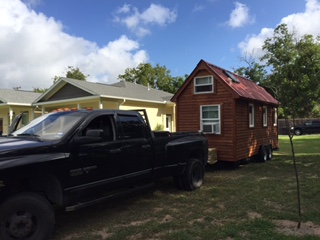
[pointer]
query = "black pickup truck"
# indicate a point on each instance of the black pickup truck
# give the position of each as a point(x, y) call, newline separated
point(72, 159)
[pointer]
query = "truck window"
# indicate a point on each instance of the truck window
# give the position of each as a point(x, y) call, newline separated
point(104, 123)
point(131, 126)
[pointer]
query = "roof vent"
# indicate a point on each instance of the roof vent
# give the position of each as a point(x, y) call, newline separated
point(233, 78)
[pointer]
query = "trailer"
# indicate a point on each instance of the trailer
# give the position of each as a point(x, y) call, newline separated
point(238, 116)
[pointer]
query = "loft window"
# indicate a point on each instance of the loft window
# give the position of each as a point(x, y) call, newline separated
point(265, 116)
point(203, 84)
point(251, 115)
point(233, 78)
point(210, 119)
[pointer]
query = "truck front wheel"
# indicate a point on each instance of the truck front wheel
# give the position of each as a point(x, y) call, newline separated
point(193, 176)
point(26, 216)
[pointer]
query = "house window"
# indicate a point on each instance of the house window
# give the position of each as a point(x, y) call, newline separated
point(251, 115)
point(210, 119)
point(275, 117)
point(265, 116)
point(203, 84)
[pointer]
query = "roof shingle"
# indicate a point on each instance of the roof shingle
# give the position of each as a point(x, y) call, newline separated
point(18, 97)
point(120, 89)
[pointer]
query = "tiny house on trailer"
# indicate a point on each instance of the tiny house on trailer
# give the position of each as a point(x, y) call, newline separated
point(238, 116)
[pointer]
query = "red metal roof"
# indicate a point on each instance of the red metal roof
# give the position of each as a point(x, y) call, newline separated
point(244, 88)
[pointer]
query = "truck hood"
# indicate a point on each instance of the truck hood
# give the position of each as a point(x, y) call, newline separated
point(16, 144)
point(15, 151)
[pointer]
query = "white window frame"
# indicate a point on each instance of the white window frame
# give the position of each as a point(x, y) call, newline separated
point(265, 116)
point(210, 83)
point(251, 115)
point(275, 117)
point(215, 121)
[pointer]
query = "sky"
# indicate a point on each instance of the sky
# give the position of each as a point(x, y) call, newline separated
point(39, 39)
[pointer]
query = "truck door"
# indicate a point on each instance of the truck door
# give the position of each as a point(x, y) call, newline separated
point(136, 149)
point(101, 165)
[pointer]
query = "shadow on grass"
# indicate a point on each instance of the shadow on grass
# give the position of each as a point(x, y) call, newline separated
point(231, 166)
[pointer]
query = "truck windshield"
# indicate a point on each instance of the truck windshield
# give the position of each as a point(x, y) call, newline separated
point(51, 126)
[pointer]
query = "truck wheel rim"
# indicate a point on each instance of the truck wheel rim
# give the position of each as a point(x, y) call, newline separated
point(20, 225)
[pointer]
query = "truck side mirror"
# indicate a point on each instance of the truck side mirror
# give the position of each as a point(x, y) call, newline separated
point(94, 133)
point(92, 136)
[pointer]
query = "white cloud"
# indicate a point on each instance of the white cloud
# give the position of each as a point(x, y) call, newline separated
point(139, 23)
point(240, 16)
point(34, 48)
point(198, 8)
point(307, 22)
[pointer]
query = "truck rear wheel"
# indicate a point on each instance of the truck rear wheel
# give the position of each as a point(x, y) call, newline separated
point(26, 216)
point(193, 176)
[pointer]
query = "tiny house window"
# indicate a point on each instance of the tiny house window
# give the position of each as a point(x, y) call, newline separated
point(265, 116)
point(210, 119)
point(203, 84)
point(251, 115)
point(275, 117)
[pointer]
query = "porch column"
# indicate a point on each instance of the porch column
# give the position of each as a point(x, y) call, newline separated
point(10, 116)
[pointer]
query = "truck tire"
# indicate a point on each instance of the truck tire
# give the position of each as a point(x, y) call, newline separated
point(269, 152)
point(193, 176)
point(26, 216)
point(263, 153)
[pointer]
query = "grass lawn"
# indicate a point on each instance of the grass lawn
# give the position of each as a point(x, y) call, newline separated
point(252, 201)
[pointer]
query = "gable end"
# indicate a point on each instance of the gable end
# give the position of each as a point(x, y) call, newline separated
point(68, 91)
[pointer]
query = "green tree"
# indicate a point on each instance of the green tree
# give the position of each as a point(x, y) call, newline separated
point(295, 71)
point(73, 73)
point(40, 90)
point(295, 65)
point(157, 77)
point(253, 71)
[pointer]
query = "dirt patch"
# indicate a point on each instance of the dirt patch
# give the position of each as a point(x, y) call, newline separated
point(290, 228)
point(104, 234)
point(254, 215)
point(167, 218)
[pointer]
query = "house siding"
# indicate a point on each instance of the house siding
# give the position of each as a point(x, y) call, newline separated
point(249, 139)
point(188, 115)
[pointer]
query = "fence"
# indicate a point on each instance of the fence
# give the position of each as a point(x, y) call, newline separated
point(284, 124)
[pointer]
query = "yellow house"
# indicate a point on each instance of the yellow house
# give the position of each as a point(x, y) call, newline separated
point(12, 103)
point(71, 93)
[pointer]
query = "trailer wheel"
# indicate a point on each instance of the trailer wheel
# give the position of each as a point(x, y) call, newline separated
point(26, 216)
point(270, 152)
point(193, 176)
point(263, 153)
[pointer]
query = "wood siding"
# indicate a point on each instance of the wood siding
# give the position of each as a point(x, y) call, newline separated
point(249, 139)
point(188, 116)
